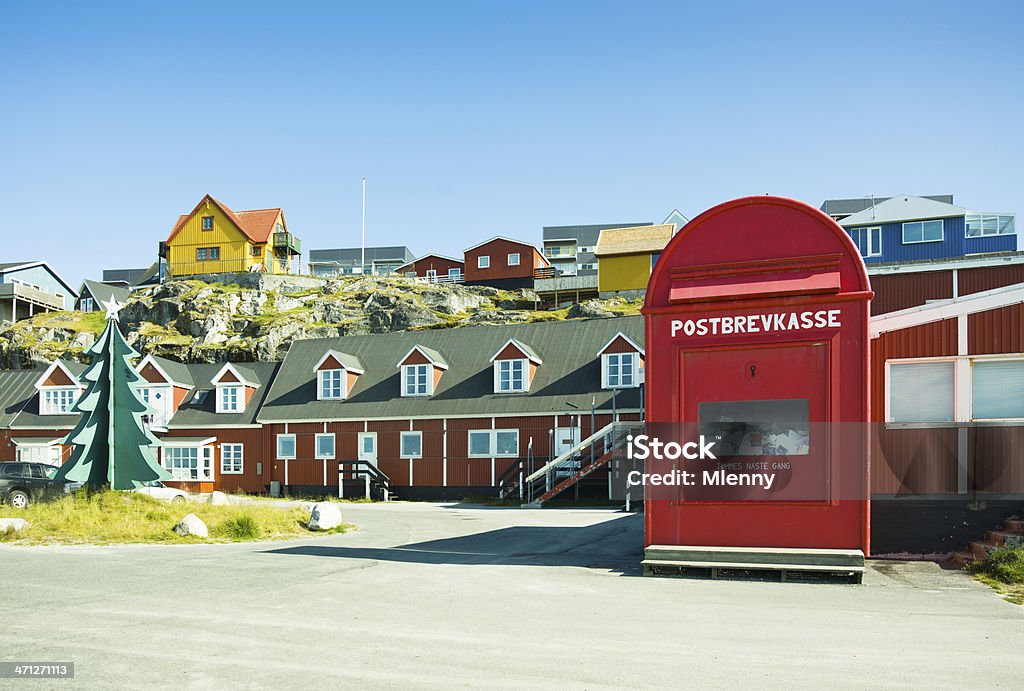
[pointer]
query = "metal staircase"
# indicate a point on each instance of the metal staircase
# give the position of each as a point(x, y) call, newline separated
point(565, 470)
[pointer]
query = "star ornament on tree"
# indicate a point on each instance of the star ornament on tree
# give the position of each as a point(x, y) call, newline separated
point(113, 307)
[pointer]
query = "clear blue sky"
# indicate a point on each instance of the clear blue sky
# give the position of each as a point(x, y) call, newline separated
point(482, 118)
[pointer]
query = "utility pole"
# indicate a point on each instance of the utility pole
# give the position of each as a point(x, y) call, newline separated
point(362, 234)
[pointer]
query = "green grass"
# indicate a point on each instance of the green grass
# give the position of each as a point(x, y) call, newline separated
point(120, 517)
point(1003, 569)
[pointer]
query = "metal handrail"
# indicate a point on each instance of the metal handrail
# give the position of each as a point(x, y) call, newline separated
point(369, 471)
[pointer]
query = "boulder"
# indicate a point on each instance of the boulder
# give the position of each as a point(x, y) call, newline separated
point(389, 313)
point(452, 300)
point(495, 317)
point(283, 303)
point(219, 499)
point(591, 309)
point(14, 524)
point(324, 516)
point(191, 525)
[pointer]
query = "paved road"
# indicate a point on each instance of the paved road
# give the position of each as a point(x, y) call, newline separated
point(440, 596)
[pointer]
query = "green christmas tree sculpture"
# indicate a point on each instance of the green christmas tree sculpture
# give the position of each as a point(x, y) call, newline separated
point(112, 445)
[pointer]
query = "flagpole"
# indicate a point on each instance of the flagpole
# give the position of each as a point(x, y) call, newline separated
point(362, 235)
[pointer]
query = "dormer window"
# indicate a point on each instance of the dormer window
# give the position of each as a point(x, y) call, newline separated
point(421, 370)
point(233, 389)
point(230, 398)
point(510, 376)
point(514, 364)
point(415, 379)
point(58, 401)
point(331, 384)
point(621, 363)
point(336, 374)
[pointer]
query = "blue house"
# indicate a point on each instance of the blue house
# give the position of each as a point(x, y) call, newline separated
point(27, 288)
point(906, 228)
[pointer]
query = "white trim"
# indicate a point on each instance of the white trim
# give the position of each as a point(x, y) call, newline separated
point(401, 443)
point(606, 357)
point(539, 413)
point(46, 409)
point(220, 392)
point(496, 367)
point(170, 441)
point(241, 466)
point(49, 370)
point(629, 340)
point(316, 446)
point(483, 261)
point(321, 375)
point(492, 442)
point(228, 367)
point(428, 256)
point(968, 304)
point(903, 231)
point(277, 446)
point(872, 250)
point(339, 358)
point(432, 361)
point(405, 381)
point(522, 349)
point(517, 255)
point(976, 261)
point(38, 441)
point(150, 360)
point(499, 237)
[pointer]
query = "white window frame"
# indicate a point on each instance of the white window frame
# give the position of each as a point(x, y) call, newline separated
point(162, 415)
point(225, 404)
point(498, 366)
point(483, 261)
point(991, 358)
point(941, 237)
point(316, 446)
point(322, 377)
point(492, 443)
point(295, 448)
point(86, 305)
point(63, 399)
point(872, 250)
point(981, 220)
point(513, 258)
point(204, 463)
point(50, 454)
point(401, 444)
point(432, 275)
point(455, 273)
point(237, 465)
point(428, 382)
point(606, 362)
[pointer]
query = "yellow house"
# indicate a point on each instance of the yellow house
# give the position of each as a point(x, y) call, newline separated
point(625, 257)
point(213, 239)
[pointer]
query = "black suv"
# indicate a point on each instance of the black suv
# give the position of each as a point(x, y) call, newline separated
point(23, 483)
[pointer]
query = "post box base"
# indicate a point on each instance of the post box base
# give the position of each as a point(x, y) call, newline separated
point(726, 561)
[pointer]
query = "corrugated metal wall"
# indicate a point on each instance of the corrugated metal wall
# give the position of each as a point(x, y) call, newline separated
point(899, 291)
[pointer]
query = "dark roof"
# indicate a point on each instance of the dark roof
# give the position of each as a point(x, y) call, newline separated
point(350, 255)
point(16, 388)
point(29, 416)
point(193, 414)
point(17, 266)
point(848, 207)
point(568, 380)
point(102, 292)
point(178, 372)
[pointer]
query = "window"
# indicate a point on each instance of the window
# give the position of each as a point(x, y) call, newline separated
point(922, 231)
point(58, 401)
point(483, 262)
point(231, 459)
point(432, 275)
point(921, 392)
point(621, 370)
point(160, 399)
point(416, 380)
point(489, 443)
point(189, 462)
point(412, 445)
point(654, 259)
point(513, 259)
point(510, 376)
point(207, 253)
point(588, 266)
point(230, 399)
point(980, 225)
point(332, 384)
point(207, 222)
point(868, 241)
point(585, 248)
point(455, 273)
point(49, 454)
point(325, 446)
point(286, 446)
point(998, 389)
point(86, 305)
point(256, 250)
point(757, 428)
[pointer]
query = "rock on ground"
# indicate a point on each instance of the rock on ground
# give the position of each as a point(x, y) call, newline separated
point(324, 516)
point(191, 525)
point(591, 309)
point(15, 524)
point(219, 499)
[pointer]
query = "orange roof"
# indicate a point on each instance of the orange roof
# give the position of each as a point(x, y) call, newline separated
point(255, 224)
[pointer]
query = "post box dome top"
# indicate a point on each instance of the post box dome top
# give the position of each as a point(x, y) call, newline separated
point(762, 234)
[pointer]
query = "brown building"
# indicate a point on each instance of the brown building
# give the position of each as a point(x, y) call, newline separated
point(435, 268)
point(503, 263)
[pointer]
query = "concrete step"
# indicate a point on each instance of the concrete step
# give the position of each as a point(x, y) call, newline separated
point(963, 558)
point(1004, 538)
point(980, 549)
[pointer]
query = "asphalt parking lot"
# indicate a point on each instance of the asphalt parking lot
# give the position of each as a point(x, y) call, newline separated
point(429, 595)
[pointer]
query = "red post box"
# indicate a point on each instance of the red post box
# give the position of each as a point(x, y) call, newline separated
point(756, 322)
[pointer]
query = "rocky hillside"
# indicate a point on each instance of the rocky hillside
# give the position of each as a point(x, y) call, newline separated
point(193, 321)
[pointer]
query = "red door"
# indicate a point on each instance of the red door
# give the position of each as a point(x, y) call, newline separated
point(763, 407)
